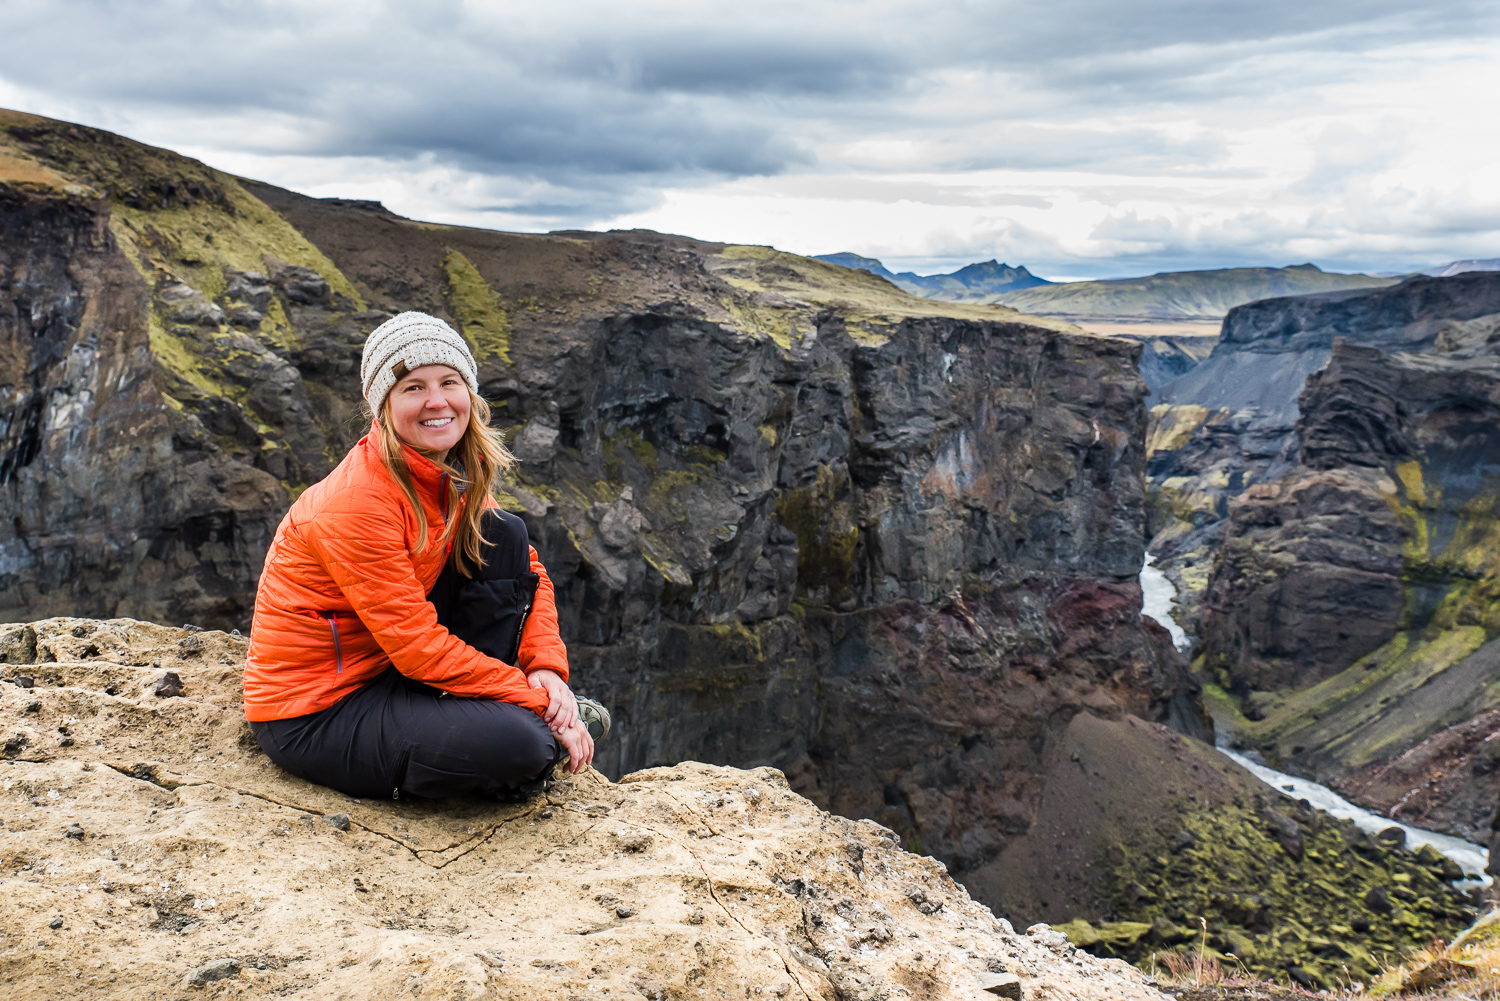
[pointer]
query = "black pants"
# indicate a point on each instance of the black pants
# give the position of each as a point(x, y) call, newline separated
point(396, 737)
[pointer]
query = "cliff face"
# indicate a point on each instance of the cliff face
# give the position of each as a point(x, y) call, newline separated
point(1350, 607)
point(795, 517)
point(1228, 424)
point(1376, 552)
point(153, 414)
point(150, 847)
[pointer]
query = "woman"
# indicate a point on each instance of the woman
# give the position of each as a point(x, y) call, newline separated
point(405, 635)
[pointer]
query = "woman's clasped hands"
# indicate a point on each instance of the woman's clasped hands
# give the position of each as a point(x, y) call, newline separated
point(562, 719)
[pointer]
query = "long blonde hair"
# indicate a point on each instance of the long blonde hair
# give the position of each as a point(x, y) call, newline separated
point(481, 457)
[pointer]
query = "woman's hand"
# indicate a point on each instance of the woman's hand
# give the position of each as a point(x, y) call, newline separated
point(562, 708)
point(579, 744)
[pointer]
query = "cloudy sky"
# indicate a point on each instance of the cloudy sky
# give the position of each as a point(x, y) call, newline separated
point(1083, 138)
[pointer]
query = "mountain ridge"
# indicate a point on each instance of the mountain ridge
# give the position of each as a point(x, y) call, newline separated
point(977, 282)
point(1183, 294)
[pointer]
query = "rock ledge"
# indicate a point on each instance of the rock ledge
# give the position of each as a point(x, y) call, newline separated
point(201, 866)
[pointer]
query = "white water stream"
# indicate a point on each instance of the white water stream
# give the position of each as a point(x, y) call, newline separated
point(1158, 597)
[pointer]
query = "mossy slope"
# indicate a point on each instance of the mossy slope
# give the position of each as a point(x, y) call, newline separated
point(1142, 834)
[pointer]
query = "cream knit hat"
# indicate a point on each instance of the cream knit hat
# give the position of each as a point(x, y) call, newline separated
point(415, 339)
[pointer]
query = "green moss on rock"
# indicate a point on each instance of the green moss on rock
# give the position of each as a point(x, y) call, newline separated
point(1277, 886)
point(477, 308)
point(827, 538)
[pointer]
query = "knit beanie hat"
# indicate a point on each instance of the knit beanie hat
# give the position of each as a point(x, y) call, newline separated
point(415, 339)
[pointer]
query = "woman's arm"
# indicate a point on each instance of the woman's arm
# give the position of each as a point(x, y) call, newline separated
point(369, 563)
point(544, 657)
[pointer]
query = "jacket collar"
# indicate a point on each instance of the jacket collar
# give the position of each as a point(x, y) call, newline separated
point(427, 476)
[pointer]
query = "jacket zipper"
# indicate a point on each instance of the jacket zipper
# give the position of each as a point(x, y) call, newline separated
point(401, 764)
point(516, 650)
point(338, 645)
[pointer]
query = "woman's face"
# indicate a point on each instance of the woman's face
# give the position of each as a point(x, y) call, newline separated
point(430, 408)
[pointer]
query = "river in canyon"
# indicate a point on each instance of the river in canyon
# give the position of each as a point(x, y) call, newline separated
point(1158, 597)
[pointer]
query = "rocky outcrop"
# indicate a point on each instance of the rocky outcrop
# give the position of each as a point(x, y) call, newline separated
point(1332, 537)
point(795, 517)
point(1311, 575)
point(1228, 423)
point(151, 825)
point(150, 433)
point(1353, 605)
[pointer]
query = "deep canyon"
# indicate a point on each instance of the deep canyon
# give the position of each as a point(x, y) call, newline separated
point(800, 520)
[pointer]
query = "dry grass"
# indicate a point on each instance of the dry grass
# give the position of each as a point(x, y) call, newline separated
point(1468, 969)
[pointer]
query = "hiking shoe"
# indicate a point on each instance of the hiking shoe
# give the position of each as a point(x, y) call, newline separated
point(595, 717)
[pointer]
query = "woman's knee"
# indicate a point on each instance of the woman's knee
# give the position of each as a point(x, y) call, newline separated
point(536, 746)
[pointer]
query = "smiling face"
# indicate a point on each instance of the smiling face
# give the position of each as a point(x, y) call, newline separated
point(430, 409)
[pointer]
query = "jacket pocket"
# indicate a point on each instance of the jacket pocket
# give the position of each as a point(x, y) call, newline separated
point(338, 643)
point(489, 615)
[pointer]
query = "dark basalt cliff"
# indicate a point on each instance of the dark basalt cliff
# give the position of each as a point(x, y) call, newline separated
point(1228, 423)
point(1354, 605)
point(795, 516)
point(1346, 546)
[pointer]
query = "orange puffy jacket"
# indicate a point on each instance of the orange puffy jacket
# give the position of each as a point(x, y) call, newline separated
point(344, 596)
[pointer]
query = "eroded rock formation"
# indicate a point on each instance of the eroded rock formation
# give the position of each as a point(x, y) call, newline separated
point(1348, 573)
point(1229, 423)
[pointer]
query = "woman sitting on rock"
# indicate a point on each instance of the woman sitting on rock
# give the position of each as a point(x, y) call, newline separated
point(405, 636)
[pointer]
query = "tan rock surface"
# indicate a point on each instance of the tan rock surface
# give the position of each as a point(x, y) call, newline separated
point(162, 838)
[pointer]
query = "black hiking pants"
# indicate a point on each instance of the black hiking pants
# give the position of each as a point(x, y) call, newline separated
point(397, 737)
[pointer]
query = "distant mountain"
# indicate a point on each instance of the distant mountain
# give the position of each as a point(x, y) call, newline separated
point(1183, 293)
point(1459, 267)
point(973, 283)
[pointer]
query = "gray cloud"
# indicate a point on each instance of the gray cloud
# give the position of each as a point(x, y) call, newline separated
point(579, 112)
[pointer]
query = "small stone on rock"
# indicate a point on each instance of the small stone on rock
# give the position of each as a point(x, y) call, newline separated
point(338, 821)
point(55, 923)
point(74, 831)
point(1005, 985)
point(169, 687)
point(24, 681)
point(215, 969)
point(624, 911)
point(637, 842)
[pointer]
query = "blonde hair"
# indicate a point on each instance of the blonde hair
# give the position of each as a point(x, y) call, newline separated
point(481, 455)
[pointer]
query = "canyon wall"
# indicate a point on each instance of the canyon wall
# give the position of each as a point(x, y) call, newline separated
point(1340, 527)
point(795, 517)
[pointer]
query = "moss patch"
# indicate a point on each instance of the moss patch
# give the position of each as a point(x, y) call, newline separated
point(1279, 887)
point(477, 308)
point(827, 538)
